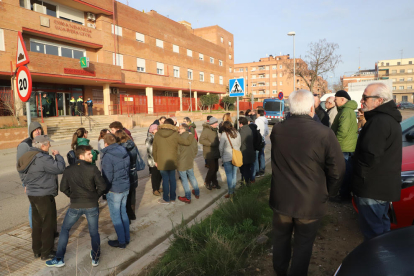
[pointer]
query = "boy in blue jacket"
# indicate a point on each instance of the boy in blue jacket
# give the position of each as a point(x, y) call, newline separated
point(115, 171)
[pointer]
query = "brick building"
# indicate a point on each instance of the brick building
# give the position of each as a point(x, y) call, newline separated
point(269, 76)
point(360, 76)
point(137, 58)
point(400, 71)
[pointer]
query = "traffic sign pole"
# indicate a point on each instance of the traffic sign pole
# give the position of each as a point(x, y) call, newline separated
point(238, 125)
point(28, 115)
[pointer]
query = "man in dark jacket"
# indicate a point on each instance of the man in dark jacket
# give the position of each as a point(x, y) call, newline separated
point(210, 141)
point(115, 170)
point(35, 129)
point(248, 151)
point(89, 103)
point(72, 106)
point(83, 184)
point(377, 161)
point(41, 181)
point(254, 129)
point(79, 104)
point(320, 112)
point(307, 167)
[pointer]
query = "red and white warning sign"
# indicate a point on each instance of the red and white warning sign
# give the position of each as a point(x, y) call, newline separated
point(24, 83)
point(22, 57)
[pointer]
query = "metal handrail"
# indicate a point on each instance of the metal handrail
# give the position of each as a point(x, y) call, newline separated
point(89, 118)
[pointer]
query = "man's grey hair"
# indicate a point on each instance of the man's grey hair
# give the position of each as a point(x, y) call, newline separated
point(39, 145)
point(330, 99)
point(381, 90)
point(301, 102)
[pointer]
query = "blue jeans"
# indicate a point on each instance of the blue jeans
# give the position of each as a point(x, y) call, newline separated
point(168, 185)
point(193, 180)
point(117, 210)
point(262, 161)
point(231, 175)
point(72, 216)
point(345, 191)
point(373, 217)
point(30, 216)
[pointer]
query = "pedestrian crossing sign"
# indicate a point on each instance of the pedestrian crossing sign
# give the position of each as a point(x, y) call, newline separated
point(236, 87)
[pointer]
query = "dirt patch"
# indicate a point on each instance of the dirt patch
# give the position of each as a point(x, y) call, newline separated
point(339, 234)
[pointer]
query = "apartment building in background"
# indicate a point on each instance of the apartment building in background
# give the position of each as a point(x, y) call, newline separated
point(269, 76)
point(360, 76)
point(400, 71)
point(134, 55)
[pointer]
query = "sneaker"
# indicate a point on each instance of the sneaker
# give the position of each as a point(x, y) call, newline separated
point(117, 244)
point(94, 262)
point(184, 199)
point(156, 193)
point(258, 175)
point(162, 201)
point(196, 196)
point(55, 262)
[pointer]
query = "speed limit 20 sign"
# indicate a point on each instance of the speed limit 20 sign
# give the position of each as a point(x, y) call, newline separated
point(24, 83)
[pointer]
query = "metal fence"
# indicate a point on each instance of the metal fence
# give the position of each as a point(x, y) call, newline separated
point(164, 104)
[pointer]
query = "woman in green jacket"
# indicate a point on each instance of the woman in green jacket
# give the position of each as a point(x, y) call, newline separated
point(80, 138)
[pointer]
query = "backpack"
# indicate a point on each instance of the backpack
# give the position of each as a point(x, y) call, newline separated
point(258, 143)
point(71, 157)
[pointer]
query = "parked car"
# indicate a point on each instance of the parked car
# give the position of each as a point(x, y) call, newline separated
point(387, 255)
point(401, 213)
point(405, 105)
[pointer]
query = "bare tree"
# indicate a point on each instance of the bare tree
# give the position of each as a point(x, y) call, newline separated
point(338, 86)
point(8, 108)
point(321, 58)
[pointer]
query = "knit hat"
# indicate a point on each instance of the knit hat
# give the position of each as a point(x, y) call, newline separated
point(212, 121)
point(152, 128)
point(343, 93)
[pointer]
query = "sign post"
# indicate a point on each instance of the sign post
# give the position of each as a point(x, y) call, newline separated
point(237, 89)
point(23, 76)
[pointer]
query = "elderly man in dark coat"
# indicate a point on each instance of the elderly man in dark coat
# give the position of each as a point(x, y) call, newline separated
point(307, 168)
point(247, 149)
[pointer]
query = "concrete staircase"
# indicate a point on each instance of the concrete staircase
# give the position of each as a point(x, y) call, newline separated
point(59, 128)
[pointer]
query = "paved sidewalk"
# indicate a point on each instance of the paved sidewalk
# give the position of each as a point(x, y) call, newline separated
point(153, 225)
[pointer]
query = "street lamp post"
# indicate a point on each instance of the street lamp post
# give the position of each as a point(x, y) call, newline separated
point(294, 62)
point(191, 101)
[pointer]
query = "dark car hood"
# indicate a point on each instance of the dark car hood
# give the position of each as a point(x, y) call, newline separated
point(389, 254)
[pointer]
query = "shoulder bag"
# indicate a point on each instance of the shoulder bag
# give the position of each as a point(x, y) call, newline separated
point(237, 157)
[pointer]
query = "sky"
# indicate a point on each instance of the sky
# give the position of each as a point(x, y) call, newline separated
point(363, 29)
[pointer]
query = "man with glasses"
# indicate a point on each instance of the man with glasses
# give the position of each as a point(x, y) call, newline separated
point(377, 160)
point(331, 109)
point(345, 128)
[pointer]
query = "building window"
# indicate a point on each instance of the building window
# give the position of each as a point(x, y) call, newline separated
point(254, 92)
point(176, 49)
point(140, 65)
point(97, 96)
point(221, 39)
point(394, 72)
point(409, 87)
point(388, 64)
point(254, 84)
point(116, 30)
point(274, 67)
point(253, 69)
point(118, 60)
point(394, 79)
point(230, 69)
point(398, 63)
point(200, 56)
point(189, 53)
point(221, 80)
point(401, 87)
point(190, 74)
point(140, 37)
point(404, 98)
point(53, 49)
point(176, 72)
point(402, 71)
point(220, 63)
point(280, 66)
point(274, 91)
point(267, 67)
point(159, 43)
point(229, 56)
point(240, 69)
point(253, 76)
point(401, 79)
point(201, 76)
point(2, 47)
point(409, 79)
point(281, 83)
point(410, 62)
point(394, 88)
point(211, 60)
point(274, 75)
point(211, 78)
point(409, 70)
point(274, 83)
point(280, 75)
point(230, 43)
point(160, 68)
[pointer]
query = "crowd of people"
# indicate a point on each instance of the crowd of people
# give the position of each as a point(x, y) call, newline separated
point(171, 146)
point(318, 153)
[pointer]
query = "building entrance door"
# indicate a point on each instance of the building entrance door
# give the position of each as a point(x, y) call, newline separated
point(63, 103)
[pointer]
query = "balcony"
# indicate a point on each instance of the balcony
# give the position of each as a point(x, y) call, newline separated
point(43, 25)
point(60, 68)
